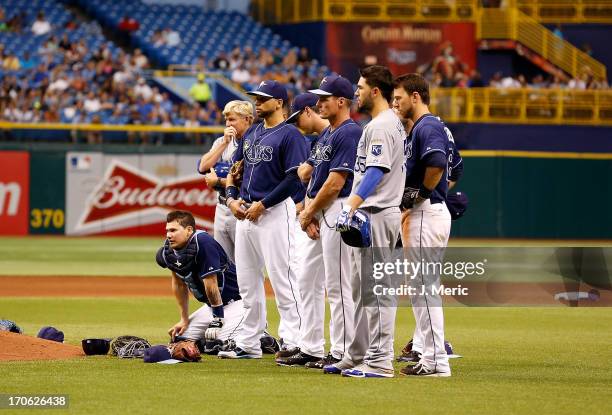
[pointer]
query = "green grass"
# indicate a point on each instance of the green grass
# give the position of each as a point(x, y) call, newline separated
point(80, 256)
point(516, 361)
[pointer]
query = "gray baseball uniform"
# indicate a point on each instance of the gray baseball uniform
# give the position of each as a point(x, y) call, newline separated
point(225, 222)
point(381, 145)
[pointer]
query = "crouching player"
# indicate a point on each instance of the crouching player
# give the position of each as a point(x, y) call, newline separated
point(200, 265)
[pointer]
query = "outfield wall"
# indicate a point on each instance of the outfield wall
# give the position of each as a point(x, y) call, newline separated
point(513, 194)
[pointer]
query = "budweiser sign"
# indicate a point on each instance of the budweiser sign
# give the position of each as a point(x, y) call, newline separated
point(127, 197)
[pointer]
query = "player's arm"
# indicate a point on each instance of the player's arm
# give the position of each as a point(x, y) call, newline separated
point(328, 192)
point(181, 293)
point(216, 304)
point(305, 172)
point(211, 158)
point(436, 163)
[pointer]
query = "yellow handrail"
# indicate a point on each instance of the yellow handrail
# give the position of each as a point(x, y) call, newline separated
point(516, 25)
point(523, 106)
point(546, 11)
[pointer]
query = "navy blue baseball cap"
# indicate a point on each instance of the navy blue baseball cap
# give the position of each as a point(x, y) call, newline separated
point(159, 354)
point(270, 89)
point(299, 103)
point(335, 85)
point(51, 333)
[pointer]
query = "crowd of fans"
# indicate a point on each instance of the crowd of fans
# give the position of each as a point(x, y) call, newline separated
point(66, 82)
point(248, 68)
point(447, 70)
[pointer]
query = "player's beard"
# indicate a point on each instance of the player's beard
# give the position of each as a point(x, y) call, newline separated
point(263, 114)
point(366, 105)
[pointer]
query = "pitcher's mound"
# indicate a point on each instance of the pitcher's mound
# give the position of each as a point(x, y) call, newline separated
point(15, 346)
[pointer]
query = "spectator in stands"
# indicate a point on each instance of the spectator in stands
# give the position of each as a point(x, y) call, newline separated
point(215, 116)
point(241, 76)
point(15, 23)
point(27, 62)
point(94, 137)
point(11, 63)
point(277, 56)
point(128, 25)
point(41, 26)
point(557, 31)
point(92, 103)
point(290, 60)
point(200, 91)
point(303, 56)
point(142, 90)
point(158, 39)
point(3, 26)
point(60, 84)
point(264, 59)
point(65, 44)
point(221, 63)
point(140, 60)
point(172, 37)
point(475, 80)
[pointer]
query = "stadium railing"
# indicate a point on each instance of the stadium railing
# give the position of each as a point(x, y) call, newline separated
point(544, 11)
point(523, 106)
point(512, 24)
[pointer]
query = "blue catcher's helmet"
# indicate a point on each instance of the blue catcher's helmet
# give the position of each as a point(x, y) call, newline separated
point(222, 168)
point(359, 234)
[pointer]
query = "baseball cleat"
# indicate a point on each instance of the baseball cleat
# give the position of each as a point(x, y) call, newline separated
point(411, 356)
point(365, 371)
point(420, 370)
point(337, 368)
point(237, 353)
point(298, 359)
point(321, 363)
point(284, 353)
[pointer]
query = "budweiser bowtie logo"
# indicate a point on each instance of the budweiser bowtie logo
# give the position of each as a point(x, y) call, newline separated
point(126, 191)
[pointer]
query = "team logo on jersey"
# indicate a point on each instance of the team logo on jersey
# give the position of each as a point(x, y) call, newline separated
point(322, 153)
point(408, 149)
point(255, 154)
point(377, 149)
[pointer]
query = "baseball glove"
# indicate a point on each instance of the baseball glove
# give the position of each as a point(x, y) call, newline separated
point(185, 350)
point(236, 172)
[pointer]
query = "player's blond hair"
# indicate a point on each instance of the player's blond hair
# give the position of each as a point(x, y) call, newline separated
point(242, 108)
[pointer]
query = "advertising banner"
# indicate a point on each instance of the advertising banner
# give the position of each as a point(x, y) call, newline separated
point(14, 192)
point(115, 194)
point(403, 47)
point(47, 192)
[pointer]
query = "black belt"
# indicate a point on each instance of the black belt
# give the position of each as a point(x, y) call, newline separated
point(373, 209)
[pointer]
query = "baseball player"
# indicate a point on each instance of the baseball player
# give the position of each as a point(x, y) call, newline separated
point(200, 265)
point(413, 350)
point(300, 104)
point(271, 153)
point(377, 190)
point(329, 172)
point(426, 220)
point(238, 119)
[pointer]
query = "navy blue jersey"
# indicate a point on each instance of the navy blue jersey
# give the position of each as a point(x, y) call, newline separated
point(269, 154)
point(455, 162)
point(427, 136)
point(334, 151)
point(210, 259)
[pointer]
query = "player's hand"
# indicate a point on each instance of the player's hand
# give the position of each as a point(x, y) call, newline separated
point(299, 207)
point(313, 230)
point(178, 329)
point(255, 211)
point(344, 219)
point(214, 329)
point(212, 180)
point(305, 219)
point(237, 209)
point(229, 134)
